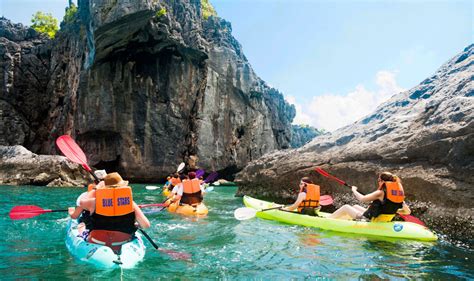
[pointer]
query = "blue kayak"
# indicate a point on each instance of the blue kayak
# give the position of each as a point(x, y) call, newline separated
point(102, 256)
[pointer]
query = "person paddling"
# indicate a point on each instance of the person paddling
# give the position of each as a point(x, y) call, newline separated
point(83, 216)
point(308, 198)
point(167, 183)
point(386, 201)
point(113, 213)
point(189, 192)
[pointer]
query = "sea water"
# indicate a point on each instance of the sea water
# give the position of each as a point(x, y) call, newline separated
point(221, 246)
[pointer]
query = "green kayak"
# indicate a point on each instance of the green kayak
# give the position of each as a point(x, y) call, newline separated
point(394, 229)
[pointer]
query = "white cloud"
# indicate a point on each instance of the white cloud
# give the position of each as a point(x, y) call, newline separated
point(330, 111)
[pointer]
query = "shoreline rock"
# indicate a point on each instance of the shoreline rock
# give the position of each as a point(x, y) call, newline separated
point(19, 166)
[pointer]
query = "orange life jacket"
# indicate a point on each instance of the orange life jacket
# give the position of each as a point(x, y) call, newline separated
point(191, 192)
point(175, 181)
point(312, 197)
point(91, 186)
point(393, 190)
point(114, 202)
point(191, 186)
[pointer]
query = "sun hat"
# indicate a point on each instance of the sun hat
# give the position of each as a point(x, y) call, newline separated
point(114, 179)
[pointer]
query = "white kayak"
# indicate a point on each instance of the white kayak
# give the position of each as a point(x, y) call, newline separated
point(101, 256)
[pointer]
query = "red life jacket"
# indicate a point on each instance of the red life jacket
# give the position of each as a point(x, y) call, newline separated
point(312, 197)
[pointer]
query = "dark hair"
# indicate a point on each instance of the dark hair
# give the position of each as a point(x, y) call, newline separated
point(191, 175)
point(386, 176)
point(306, 180)
point(176, 175)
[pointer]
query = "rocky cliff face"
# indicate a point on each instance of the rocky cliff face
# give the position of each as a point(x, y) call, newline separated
point(142, 91)
point(302, 134)
point(425, 135)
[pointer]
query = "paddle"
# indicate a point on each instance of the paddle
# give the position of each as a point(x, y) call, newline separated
point(200, 173)
point(408, 218)
point(73, 152)
point(246, 213)
point(30, 211)
point(180, 167)
point(211, 177)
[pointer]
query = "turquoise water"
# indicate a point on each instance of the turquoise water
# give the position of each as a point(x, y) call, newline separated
point(221, 247)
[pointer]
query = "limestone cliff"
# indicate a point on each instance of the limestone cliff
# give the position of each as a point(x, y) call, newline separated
point(302, 134)
point(140, 90)
point(424, 135)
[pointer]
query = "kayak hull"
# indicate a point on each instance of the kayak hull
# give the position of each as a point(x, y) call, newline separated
point(394, 229)
point(187, 210)
point(101, 256)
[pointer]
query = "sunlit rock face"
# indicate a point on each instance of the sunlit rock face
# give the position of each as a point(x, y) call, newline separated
point(142, 91)
point(424, 135)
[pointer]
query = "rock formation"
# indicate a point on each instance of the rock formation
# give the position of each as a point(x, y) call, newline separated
point(424, 135)
point(140, 90)
point(19, 166)
point(302, 134)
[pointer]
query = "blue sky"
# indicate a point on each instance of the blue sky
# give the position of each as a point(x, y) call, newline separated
point(335, 60)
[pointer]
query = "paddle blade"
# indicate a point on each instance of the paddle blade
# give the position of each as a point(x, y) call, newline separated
point(72, 151)
point(325, 200)
point(200, 173)
point(410, 218)
point(26, 212)
point(244, 213)
point(176, 255)
point(180, 167)
point(211, 177)
point(151, 187)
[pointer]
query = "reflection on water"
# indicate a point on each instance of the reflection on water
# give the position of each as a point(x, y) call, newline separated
point(221, 247)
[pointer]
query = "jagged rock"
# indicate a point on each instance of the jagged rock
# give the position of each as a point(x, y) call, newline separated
point(19, 166)
point(424, 135)
point(302, 134)
point(141, 92)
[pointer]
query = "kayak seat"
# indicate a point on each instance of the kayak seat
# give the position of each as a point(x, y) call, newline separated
point(383, 218)
point(112, 239)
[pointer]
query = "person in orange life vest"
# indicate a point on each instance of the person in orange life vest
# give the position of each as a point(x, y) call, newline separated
point(175, 181)
point(387, 199)
point(308, 198)
point(113, 212)
point(190, 191)
point(83, 216)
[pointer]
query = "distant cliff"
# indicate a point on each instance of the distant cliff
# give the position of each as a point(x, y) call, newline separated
point(302, 134)
point(424, 135)
point(140, 90)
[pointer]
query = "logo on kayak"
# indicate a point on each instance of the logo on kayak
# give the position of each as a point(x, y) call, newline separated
point(397, 227)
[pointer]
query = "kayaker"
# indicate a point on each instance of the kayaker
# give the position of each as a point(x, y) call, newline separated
point(83, 216)
point(175, 181)
point(168, 183)
point(113, 213)
point(307, 201)
point(190, 191)
point(388, 199)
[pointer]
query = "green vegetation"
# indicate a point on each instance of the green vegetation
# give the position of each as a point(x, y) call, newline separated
point(207, 9)
point(71, 12)
point(160, 13)
point(45, 23)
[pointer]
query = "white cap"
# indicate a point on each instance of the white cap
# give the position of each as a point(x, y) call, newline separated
point(100, 174)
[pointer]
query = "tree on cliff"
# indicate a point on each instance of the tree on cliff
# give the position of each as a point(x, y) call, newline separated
point(45, 23)
point(207, 9)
